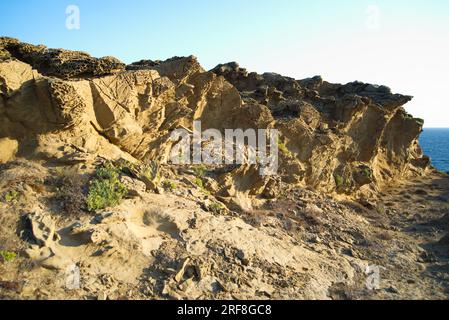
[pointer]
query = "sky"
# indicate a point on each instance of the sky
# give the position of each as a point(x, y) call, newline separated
point(403, 44)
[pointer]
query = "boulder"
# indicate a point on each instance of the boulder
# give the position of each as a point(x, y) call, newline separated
point(43, 229)
point(135, 187)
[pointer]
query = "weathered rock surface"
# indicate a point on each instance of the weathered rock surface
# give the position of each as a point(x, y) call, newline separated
point(58, 62)
point(9, 149)
point(344, 136)
point(349, 160)
point(350, 139)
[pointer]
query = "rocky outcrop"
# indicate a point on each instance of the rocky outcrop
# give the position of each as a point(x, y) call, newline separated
point(58, 62)
point(344, 136)
point(89, 198)
point(351, 138)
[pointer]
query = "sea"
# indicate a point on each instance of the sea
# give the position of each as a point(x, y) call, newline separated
point(435, 143)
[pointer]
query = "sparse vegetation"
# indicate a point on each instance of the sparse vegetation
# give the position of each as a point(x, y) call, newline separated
point(59, 171)
point(367, 173)
point(408, 116)
point(169, 185)
point(125, 166)
point(420, 121)
point(199, 182)
point(70, 191)
point(216, 207)
point(8, 256)
point(105, 189)
point(200, 170)
point(11, 196)
point(282, 147)
point(380, 208)
point(339, 181)
point(150, 174)
point(150, 171)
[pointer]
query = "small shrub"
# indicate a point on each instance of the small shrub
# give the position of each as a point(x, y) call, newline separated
point(216, 207)
point(339, 181)
point(169, 185)
point(125, 166)
point(11, 196)
point(107, 171)
point(105, 190)
point(200, 170)
point(150, 172)
point(71, 193)
point(380, 208)
point(284, 150)
point(199, 183)
point(59, 172)
point(367, 173)
point(8, 256)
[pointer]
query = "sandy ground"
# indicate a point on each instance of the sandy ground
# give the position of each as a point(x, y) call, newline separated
point(304, 245)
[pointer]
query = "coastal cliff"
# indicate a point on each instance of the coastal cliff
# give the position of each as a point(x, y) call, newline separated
point(71, 124)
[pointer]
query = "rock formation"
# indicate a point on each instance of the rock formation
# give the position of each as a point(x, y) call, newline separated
point(85, 184)
point(338, 138)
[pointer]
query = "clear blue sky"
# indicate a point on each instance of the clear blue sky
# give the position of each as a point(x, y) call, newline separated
point(401, 43)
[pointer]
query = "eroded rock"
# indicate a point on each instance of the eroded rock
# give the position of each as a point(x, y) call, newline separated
point(43, 229)
point(351, 139)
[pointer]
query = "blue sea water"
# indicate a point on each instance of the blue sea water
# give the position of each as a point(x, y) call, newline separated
point(435, 143)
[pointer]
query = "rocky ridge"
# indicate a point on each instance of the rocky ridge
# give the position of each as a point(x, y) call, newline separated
point(64, 114)
point(351, 138)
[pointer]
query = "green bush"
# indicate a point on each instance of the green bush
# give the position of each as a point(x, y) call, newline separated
point(105, 189)
point(282, 146)
point(199, 182)
point(11, 196)
point(339, 181)
point(8, 256)
point(216, 207)
point(367, 173)
point(200, 170)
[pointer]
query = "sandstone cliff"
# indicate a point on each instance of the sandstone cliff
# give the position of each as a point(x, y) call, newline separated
point(86, 188)
point(350, 139)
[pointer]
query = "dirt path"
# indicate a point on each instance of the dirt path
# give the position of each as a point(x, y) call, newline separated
point(419, 257)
